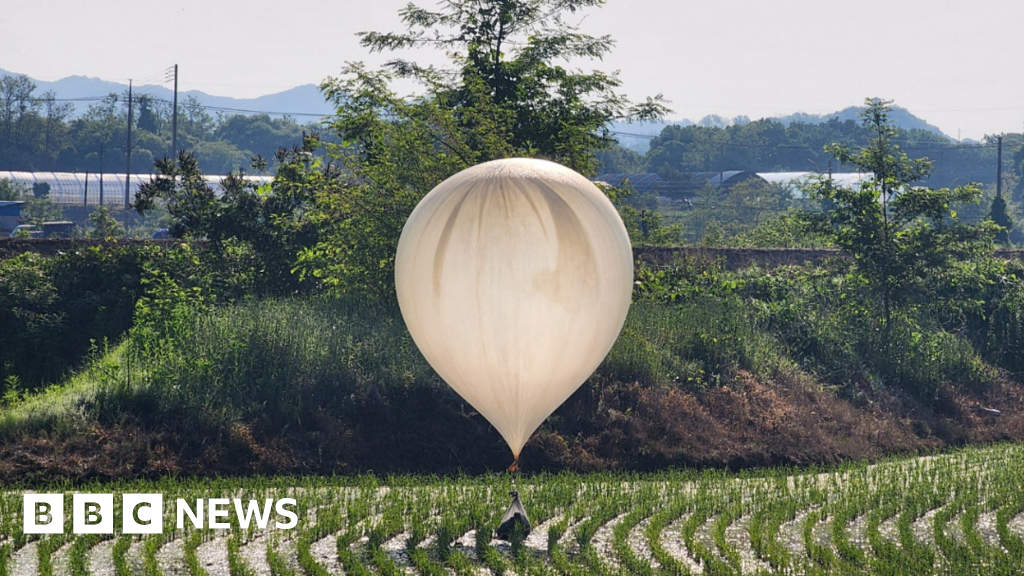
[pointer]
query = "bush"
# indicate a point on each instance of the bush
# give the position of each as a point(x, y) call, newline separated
point(694, 345)
point(1006, 335)
point(276, 362)
point(53, 308)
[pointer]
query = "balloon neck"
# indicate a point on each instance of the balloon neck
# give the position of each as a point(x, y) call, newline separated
point(515, 465)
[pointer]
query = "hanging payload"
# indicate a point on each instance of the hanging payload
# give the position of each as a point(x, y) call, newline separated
point(515, 521)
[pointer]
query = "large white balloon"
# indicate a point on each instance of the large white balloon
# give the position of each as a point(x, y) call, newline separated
point(514, 278)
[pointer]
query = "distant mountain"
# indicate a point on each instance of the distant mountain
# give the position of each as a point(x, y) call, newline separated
point(307, 99)
point(300, 101)
point(637, 135)
point(901, 118)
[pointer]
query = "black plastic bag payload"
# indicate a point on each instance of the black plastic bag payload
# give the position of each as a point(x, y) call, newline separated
point(514, 520)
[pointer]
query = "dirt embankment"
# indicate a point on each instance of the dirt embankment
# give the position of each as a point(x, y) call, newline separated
point(618, 426)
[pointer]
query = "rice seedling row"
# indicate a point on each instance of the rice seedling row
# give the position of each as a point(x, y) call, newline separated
point(961, 513)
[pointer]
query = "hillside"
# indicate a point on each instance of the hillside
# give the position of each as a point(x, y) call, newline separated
point(901, 118)
point(753, 365)
point(637, 135)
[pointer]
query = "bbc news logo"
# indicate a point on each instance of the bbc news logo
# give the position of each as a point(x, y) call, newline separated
point(144, 513)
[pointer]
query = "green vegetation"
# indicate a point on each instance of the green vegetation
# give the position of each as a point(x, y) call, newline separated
point(265, 339)
point(507, 92)
point(11, 191)
point(40, 133)
point(337, 383)
point(268, 337)
point(103, 225)
point(951, 512)
point(901, 236)
point(999, 216)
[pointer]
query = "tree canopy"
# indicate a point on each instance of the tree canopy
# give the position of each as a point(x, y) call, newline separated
point(509, 91)
point(900, 234)
point(40, 133)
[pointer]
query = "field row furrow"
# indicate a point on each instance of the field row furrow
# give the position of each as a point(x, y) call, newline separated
point(944, 512)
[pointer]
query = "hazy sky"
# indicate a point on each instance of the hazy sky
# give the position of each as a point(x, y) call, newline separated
point(957, 64)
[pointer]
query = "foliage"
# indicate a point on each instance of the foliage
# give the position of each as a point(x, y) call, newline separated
point(507, 57)
point(901, 236)
point(790, 229)
point(824, 320)
point(39, 209)
point(615, 159)
point(773, 145)
point(278, 362)
point(720, 214)
point(297, 371)
point(40, 133)
point(647, 227)
point(104, 225)
point(51, 308)
point(262, 229)
point(696, 345)
point(11, 190)
point(508, 93)
point(56, 309)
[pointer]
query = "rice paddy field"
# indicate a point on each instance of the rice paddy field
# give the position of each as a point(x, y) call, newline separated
point(954, 513)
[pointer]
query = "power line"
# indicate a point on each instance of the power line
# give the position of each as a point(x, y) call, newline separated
point(204, 106)
point(924, 148)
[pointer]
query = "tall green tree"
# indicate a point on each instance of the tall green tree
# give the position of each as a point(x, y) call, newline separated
point(508, 91)
point(512, 57)
point(900, 235)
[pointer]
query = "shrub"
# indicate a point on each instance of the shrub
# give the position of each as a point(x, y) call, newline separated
point(697, 344)
point(52, 308)
point(272, 361)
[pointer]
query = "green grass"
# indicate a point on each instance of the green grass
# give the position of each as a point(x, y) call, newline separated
point(278, 362)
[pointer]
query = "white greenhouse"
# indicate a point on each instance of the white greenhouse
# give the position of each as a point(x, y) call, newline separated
point(83, 188)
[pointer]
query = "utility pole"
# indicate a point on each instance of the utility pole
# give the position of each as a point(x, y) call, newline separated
point(721, 171)
point(101, 174)
point(128, 168)
point(85, 207)
point(174, 117)
point(999, 168)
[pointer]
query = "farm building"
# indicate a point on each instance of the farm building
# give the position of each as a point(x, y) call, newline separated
point(83, 188)
point(10, 214)
point(683, 188)
point(686, 188)
point(796, 182)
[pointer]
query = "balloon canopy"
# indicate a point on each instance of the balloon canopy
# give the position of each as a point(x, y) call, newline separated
point(514, 278)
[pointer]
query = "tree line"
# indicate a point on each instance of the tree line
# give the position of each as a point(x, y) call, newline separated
point(769, 145)
point(41, 132)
